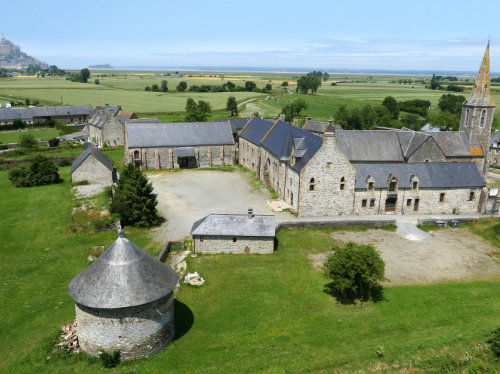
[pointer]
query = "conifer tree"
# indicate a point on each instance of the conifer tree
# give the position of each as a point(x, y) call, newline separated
point(134, 200)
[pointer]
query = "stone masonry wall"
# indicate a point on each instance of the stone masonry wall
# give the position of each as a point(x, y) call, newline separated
point(92, 171)
point(113, 132)
point(222, 244)
point(454, 200)
point(327, 168)
point(138, 332)
point(249, 155)
point(428, 152)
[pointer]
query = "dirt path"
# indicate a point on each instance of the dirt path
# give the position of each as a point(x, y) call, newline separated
point(447, 255)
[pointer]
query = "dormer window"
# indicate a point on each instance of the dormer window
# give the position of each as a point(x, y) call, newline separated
point(311, 184)
point(414, 183)
point(393, 183)
point(370, 183)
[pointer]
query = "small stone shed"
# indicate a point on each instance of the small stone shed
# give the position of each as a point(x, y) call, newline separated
point(124, 301)
point(234, 233)
point(92, 166)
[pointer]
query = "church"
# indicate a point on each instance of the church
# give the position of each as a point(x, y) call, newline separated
point(341, 172)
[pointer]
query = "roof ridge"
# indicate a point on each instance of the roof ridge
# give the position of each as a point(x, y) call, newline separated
point(269, 131)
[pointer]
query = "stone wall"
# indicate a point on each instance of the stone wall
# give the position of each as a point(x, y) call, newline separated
point(455, 201)
point(138, 332)
point(113, 132)
point(249, 155)
point(428, 152)
point(93, 171)
point(239, 244)
point(324, 197)
point(165, 158)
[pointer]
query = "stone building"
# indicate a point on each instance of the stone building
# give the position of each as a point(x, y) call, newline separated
point(106, 125)
point(179, 145)
point(335, 172)
point(494, 154)
point(124, 301)
point(92, 166)
point(236, 124)
point(61, 113)
point(234, 233)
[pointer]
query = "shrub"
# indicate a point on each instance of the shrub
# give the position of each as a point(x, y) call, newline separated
point(109, 360)
point(495, 342)
point(54, 142)
point(28, 140)
point(355, 270)
point(42, 171)
point(64, 162)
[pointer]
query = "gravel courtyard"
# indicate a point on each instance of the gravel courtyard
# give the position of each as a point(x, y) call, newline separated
point(447, 255)
point(189, 195)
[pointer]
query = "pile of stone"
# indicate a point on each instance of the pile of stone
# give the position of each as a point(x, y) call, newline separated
point(69, 339)
point(194, 279)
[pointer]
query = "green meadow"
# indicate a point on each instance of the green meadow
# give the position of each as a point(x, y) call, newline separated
point(14, 135)
point(266, 314)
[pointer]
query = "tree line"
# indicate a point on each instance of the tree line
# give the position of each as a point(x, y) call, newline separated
point(225, 87)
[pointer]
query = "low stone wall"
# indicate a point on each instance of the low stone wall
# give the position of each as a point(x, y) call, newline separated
point(343, 223)
point(425, 221)
point(240, 244)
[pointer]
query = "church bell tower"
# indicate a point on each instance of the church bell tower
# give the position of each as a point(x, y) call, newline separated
point(478, 111)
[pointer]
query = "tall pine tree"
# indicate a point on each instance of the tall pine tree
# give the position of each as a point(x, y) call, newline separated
point(134, 199)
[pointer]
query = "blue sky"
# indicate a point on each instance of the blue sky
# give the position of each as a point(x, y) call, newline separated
point(393, 35)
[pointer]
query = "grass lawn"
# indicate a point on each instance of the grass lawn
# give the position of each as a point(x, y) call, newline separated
point(14, 135)
point(263, 313)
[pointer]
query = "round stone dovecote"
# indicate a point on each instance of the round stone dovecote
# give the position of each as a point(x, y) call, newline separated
point(124, 301)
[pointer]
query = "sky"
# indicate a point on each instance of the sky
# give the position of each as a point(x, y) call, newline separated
point(385, 35)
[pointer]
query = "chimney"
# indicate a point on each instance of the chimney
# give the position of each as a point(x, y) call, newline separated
point(250, 212)
point(119, 107)
point(308, 119)
point(295, 121)
point(330, 121)
point(282, 117)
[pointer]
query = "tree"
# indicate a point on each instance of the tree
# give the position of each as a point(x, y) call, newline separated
point(155, 88)
point(325, 76)
point(355, 271)
point(96, 81)
point(134, 200)
point(197, 112)
point(451, 103)
point(228, 86)
point(355, 122)
point(28, 140)
point(54, 142)
point(392, 105)
point(269, 87)
point(250, 86)
point(284, 84)
point(434, 83)
point(181, 87)
point(84, 75)
point(147, 88)
point(232, 106)
point(308, 82)
point(42, 171)
point(163, 86)
point(293, 110)
point(447, 121)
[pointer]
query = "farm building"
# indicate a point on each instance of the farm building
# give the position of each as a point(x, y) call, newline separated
point(494, 155)
point(124, 301)
point(234, 233)
point(179, 145)
point(106, 125)
point(92, 166)
point(63, 113)
point(336, 172)
point(236, 124)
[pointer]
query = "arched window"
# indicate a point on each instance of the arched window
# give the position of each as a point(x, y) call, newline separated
point(482, 121)
point(136, 155)
point(466, 122)
point(342, 183)
point(311, 184)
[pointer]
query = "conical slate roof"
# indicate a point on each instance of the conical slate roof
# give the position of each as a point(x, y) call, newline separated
point(123, 276)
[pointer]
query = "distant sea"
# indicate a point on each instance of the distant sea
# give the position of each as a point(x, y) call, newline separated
point(246, 69)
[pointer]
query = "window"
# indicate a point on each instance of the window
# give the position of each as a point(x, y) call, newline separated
point(471, 196)
point(363, 203)
point(415, 206)
point(371, 186)
point(311, 184)
point(328, 165)
point(136, 155)
point(441, 197)
point(483, 118)
point(393, 184)
point(408, 202)
point(372, 203)
point(234, 240)
point(415, 185)
point(201, 238)
point(342, 183)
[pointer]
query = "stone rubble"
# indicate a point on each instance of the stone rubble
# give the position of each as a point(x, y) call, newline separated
point(69, 339)
point(194, 279)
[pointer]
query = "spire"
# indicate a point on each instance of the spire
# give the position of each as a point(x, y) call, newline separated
point(481, 90)
point(3, 37)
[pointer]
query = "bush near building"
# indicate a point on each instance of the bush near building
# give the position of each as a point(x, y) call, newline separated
point(42, 171)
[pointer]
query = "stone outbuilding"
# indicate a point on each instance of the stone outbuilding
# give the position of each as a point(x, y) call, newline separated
point(92, 166)
point(124, 301)
point(234, 233)
point(179, 145)
point(106, 125)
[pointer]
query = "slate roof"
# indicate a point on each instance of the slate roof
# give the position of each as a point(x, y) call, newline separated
point(143, 120)
point(236, 123)
point(29, 114)
point(91, 150)
point(235, 225)
point(100, 115)
point(123, 276)
point(370, 145)
point(495, 139)
point(10, 114)
point(256, 129)
point(184, 134)
point(452, 143)
point(430, 175)
point(315, 126)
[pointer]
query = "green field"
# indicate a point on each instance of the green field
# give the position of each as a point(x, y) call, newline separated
point(14, 135)
point(254, 314)
point(127, 89)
